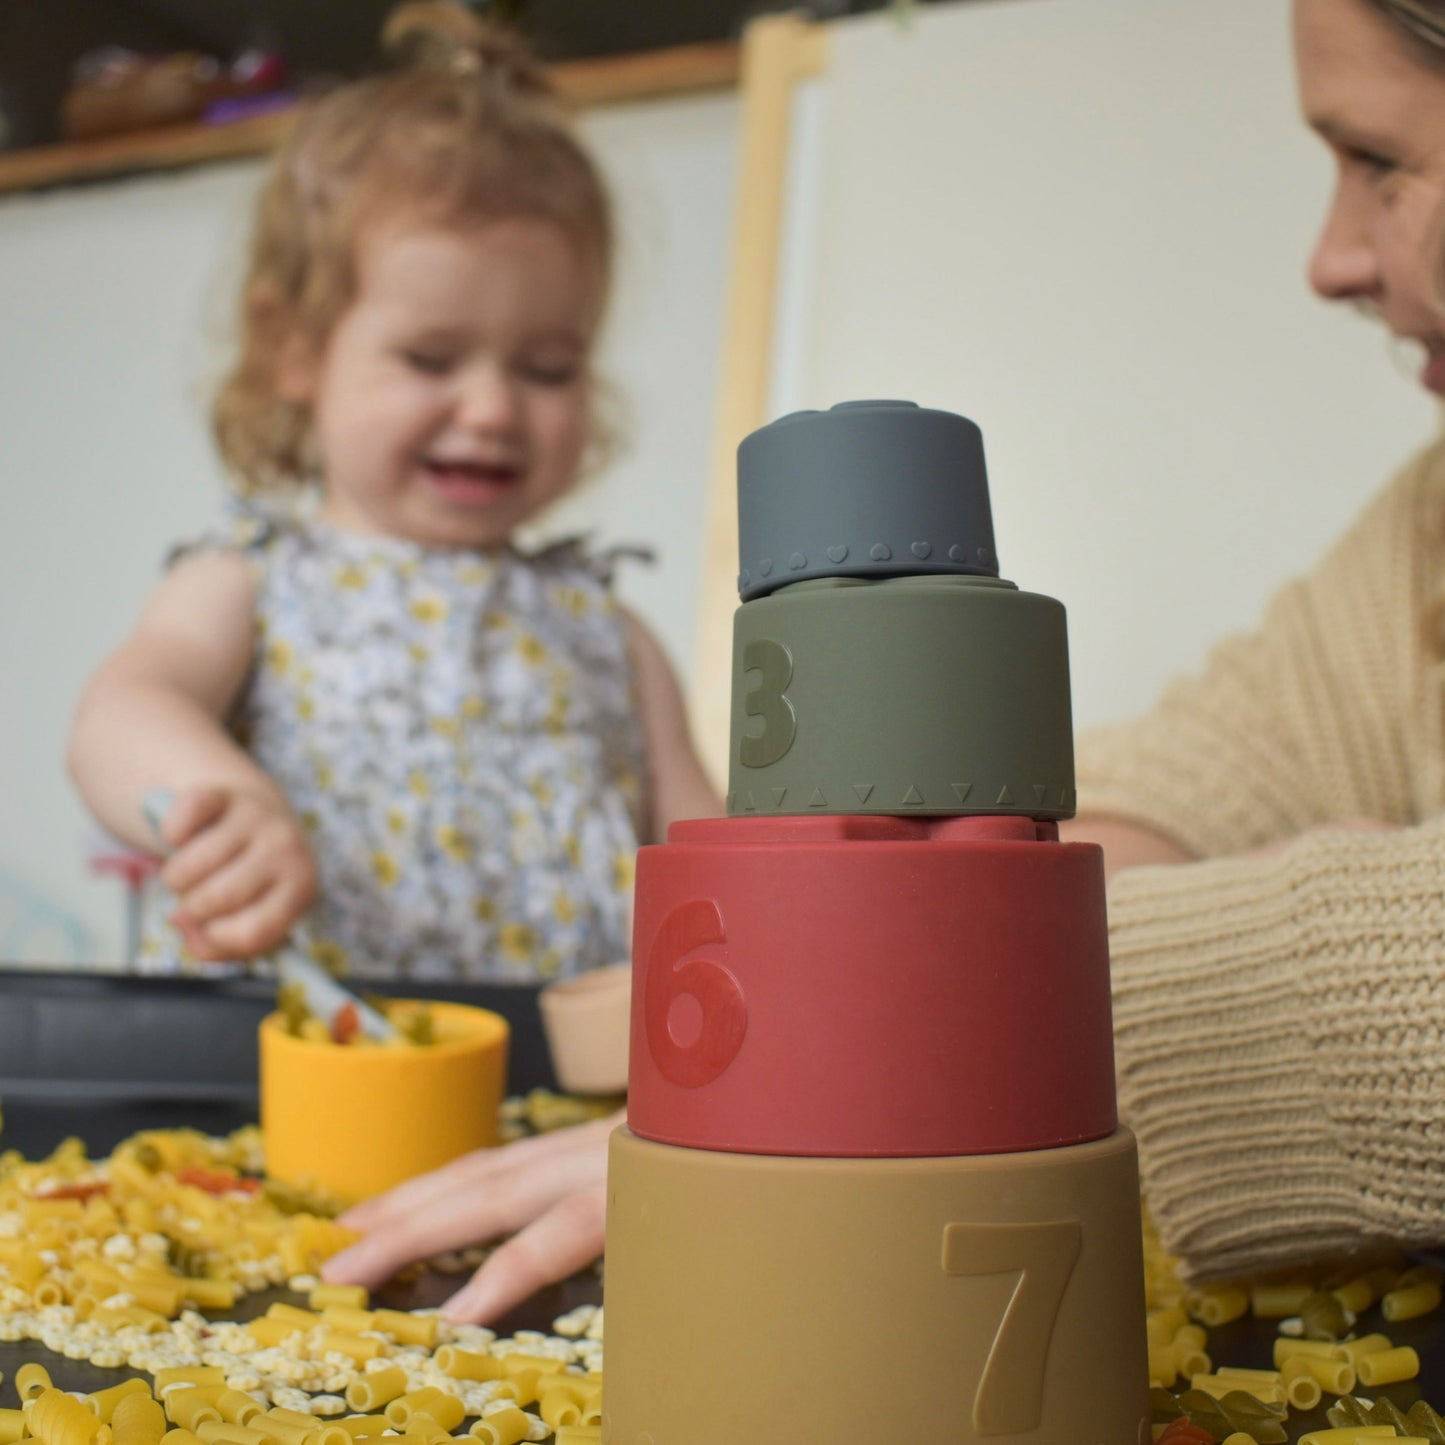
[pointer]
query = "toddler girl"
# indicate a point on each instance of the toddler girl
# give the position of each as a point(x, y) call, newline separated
point(363, 696)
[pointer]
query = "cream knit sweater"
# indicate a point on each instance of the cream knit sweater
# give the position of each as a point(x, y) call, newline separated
point(1280, 1019)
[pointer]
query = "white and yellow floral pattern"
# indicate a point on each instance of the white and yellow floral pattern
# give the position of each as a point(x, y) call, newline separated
point(458, 732)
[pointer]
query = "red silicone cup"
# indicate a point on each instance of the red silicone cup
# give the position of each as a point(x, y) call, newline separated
point(870, 986)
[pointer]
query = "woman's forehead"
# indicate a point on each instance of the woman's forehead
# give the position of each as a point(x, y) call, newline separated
point(1359, 73)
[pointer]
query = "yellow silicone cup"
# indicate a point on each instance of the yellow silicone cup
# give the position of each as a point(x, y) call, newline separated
point(355, 1121)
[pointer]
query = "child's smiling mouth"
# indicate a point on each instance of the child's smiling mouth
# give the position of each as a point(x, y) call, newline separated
point(471, 482)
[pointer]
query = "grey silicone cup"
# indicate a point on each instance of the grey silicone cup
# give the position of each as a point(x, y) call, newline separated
point(867, 489)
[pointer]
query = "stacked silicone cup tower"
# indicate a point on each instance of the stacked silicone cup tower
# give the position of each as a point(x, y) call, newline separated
point(873, 1185)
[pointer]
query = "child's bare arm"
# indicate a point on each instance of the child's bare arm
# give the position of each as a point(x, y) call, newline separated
point(680, 787)
point(151, 717)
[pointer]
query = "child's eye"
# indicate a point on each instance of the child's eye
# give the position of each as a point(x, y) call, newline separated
point(430, 363)
point(558, 375)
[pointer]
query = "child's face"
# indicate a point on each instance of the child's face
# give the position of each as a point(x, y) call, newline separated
point(450, 404)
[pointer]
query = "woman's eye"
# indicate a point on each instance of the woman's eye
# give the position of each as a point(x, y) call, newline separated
point(1374, 164)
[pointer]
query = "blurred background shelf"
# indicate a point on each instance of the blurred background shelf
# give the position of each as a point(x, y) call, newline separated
point(607, 80)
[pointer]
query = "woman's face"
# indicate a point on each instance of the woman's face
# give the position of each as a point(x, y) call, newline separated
point(1379, 105)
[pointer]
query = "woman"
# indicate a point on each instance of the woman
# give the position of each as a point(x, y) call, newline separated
point(1279, 1013)
point(1280, 1001)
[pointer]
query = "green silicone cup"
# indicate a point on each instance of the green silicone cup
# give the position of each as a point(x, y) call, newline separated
point(930, 695)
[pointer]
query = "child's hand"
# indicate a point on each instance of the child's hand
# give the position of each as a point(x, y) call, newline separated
point(241, 870)
point(549, 1193)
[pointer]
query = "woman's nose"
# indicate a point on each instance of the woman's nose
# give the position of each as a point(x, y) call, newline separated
point(1344, 265)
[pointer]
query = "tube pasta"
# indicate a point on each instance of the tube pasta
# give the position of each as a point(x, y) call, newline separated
point(1276, 1301)
point(103, 1402)
point(468, 1365)
point(1388, 1367)
point(446, 1409)
point(1287, 1348)
point(346, 1296)
point(357, 1347)
point(59, 1419)
point(169, 1223)
point(1301, 1389)
point(1346, 1434)
point(1356, 1350)
point(31, 1381)
point(1217, 1305)
point(504, 1427)
point(138, 1420)
point(407, 1329)
point(191, 1407)
point(1411, 1301)
point(377, 1389)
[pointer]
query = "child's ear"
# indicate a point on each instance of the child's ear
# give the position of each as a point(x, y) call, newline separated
point(297, 370)
point(295, 364)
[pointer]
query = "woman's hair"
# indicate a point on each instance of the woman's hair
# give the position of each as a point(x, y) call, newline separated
point(464, 129)
point(1423, 22)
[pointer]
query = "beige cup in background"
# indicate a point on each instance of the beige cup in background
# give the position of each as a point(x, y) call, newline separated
point(586, 1021)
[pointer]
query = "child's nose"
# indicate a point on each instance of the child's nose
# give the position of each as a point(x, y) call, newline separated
point(490, 401)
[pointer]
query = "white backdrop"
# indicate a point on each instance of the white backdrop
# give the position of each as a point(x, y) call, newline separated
point(1084, 224)
point(114, 303)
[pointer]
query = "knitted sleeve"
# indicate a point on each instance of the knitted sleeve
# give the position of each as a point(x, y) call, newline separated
point(1280, 1039)
point(1301, 723)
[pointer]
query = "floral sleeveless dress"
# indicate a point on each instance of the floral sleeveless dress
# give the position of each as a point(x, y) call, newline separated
point(458, 734)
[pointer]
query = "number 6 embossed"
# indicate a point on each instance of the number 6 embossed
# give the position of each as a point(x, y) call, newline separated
point(1010, 1398)
point(687, 927)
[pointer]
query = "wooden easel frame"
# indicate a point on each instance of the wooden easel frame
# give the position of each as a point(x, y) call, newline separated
point(779, 52)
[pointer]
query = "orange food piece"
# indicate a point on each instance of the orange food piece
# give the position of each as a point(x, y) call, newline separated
point(1183, 1431)
point(345, 1024)
point(216, 1181)
point(75, 1191)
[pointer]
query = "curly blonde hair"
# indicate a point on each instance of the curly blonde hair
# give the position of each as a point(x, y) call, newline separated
point(465, 130)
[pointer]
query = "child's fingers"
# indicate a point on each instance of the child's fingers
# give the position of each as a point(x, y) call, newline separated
point(450, 1220)
point(197, 942)
point(192, 810)
point(225, 891)
point(559, 1243)
point(204, 855)
point(475, 1204)
point(472, 1172)
point(258, 927)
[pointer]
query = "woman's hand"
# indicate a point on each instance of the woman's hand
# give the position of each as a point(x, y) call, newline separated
point(242, 870)
point(548, 1193)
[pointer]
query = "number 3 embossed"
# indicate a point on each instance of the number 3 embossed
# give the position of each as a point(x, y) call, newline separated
point(1010, 1398)
point(774, 665)
point(718, 994)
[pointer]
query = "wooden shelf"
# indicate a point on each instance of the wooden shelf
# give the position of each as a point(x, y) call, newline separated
point(612, 80)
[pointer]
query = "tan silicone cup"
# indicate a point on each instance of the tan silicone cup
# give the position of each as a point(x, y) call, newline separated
point(586, 1021)
point(754, 1297)
point(356, 1120)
